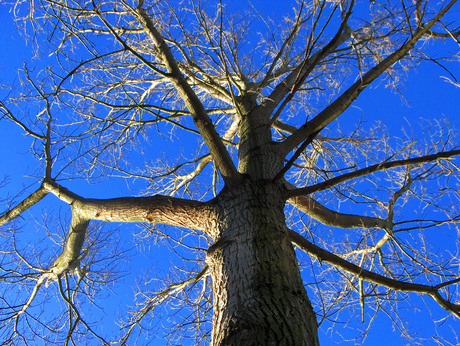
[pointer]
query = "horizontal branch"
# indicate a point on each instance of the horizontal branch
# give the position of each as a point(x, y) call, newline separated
point(368, 170)
point(326, 256)
point(154, 209)
point(335, 219)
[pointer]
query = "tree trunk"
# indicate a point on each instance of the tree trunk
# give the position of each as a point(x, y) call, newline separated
point(259, 297)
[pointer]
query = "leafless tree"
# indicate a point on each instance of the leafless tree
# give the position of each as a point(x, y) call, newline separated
point(223, 121)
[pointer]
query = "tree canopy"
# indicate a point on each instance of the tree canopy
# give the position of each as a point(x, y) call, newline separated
point(160, 130)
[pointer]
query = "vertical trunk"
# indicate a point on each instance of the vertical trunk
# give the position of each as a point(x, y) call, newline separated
point(259, 297)
point(258, 294)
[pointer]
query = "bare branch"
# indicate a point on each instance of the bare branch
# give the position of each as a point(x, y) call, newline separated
point(368, 170)
point(332, 218)
point(211, 137)
point(336, 108)
point(326, 256)
point(159, 298)
point(156, 209)
point(6, 112)
point(301, 72)
point(28, 202)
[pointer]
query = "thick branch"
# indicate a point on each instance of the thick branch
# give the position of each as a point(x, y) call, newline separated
point(68, 260)
point(307, 65)
point(337, 107)
point(369, 276)
point(155, 209)
point(332, 218)
point(201, 119)
point(28, 202)
point(368, 170)
point(335, 219)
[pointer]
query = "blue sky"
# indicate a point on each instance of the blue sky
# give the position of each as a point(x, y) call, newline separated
point(426, 95)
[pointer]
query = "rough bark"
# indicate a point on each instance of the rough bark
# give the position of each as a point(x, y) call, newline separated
point(259, 297)
point(258, 294)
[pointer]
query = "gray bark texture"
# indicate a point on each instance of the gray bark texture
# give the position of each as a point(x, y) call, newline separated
point(259, 297)
point(258, 294)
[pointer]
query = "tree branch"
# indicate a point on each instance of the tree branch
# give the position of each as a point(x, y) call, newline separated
point(336, 108)
point(326, 256)
point(25, 204)
point(341, 36)
point(202, 121)
point(155, 209)
point(160, 298)
point(303, 70)
point(332, 218)
point(368, 170)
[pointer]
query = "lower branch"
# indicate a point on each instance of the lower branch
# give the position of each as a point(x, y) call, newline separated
point(326, 256)
point(160, 298)
point(154, 209)
point(68, 260)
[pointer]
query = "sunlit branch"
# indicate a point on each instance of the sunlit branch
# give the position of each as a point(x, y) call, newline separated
point(187, 177)
point(389, 234)
point(368, 170)
point(326, 256)
point(229, 134)
point(160, 298)
point(206, 82)
point(47, 144)
point(204, 124)
point(155, 209)
point(208, 86)
point(32, 296)
point(332, 218)
point(126, 46)
point(22, 206)
point(81, 64)
point(294, 157)
point(336, 108)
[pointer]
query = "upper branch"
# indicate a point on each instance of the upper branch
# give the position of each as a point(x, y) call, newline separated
point(201, 119)
point(337, 107)
point(25, 204)
point(368, 170)
point(341, 36)
point(293, 81)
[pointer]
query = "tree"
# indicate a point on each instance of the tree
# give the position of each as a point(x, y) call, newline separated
point(263, 182)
